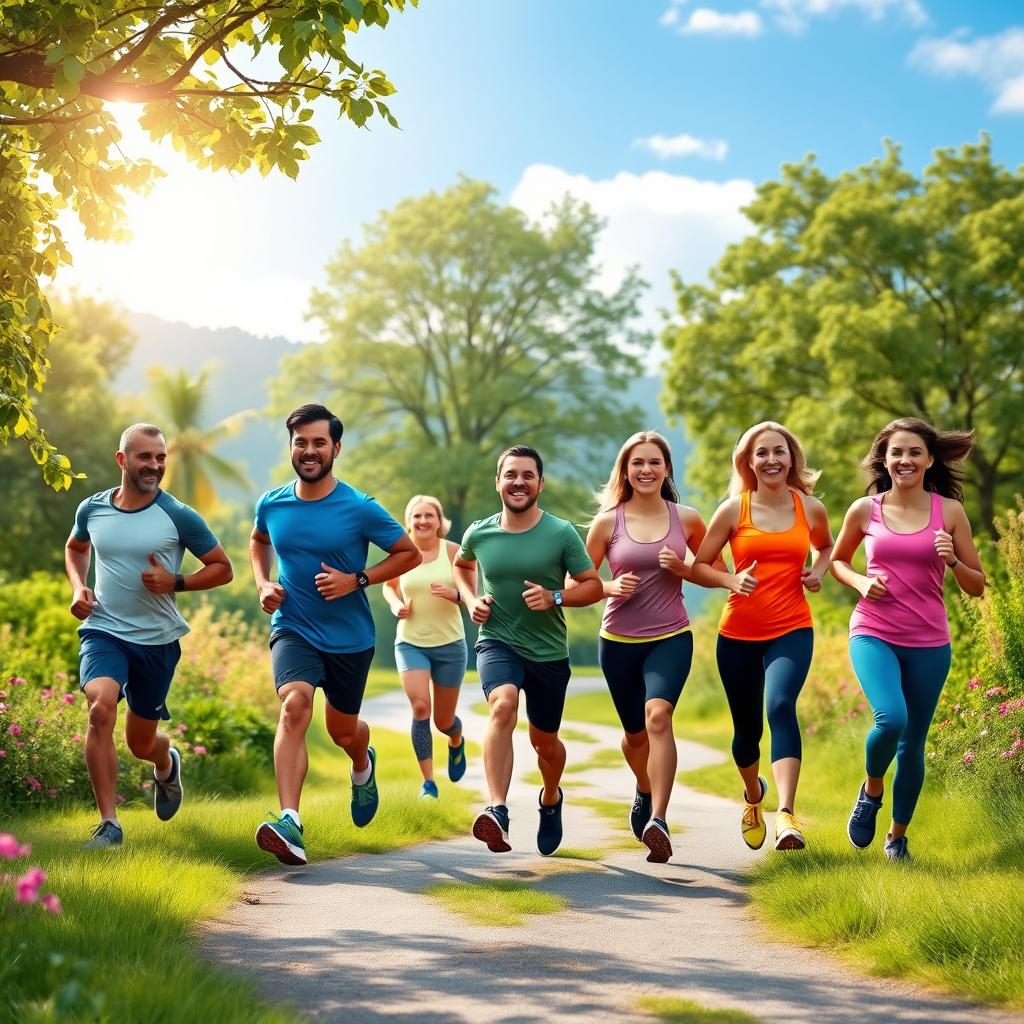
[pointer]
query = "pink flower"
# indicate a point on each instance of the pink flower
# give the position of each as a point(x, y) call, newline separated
point(1004, 709)
point(861, 706)
point(15, 730)
point(51, 793)
point(40, 720)
point(119, 799)
point(11, 849)
point(3, 753)
point(181, 729)
point(46, 693)
point(61, 677)
point(973, 684)
point(16, 681)
point(68, 698)
point(3, 694)
point(75, 738)
point(994, 691)
point(51, 903)
point(34, 783)
point(200, 750)
point(3, 707)
point(28, 885)
point(969, 757)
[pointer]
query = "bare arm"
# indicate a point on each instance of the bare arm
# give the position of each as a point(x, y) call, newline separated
point(598, 537)
point(216, 571)
point(402, 556)
point(77, 554)
point(695, 530)
point(392, 591)
point(957, 549)
point(439, 589)
point(261, 558)
point(850, 536)
point(821, 542)
point(465, 581)
point(704, 570)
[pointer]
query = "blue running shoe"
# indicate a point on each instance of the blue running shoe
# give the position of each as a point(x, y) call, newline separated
point(429, 790)
point(896, 849)
point(457, 760)
point(656, 839)
point(364, 798)
point(491, 827)
point(106, 833)
point(549, 832)
point(167, 794)
point(861, 826)
point(283, 838)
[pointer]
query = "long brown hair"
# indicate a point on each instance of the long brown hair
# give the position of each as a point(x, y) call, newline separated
point(946, 447)
point(801, 477)
point(618, 488)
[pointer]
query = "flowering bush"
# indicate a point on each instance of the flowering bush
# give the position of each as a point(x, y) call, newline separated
point(26, 887)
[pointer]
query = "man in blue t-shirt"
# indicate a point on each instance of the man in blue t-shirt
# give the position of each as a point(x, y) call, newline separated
point(130, 622)
point(321, 630)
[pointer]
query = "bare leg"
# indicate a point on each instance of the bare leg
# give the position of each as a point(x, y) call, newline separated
point(291, 759)
point(352, 734)
point(661, 765)
point(100, 754)
point(787, 774)
point(636, 749)
point(446, 702)
point(504, 711)
point(751, 787)
point(550, 761)
point(145, 742)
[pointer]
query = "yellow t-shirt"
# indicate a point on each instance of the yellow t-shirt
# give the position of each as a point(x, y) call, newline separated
point(433, 620)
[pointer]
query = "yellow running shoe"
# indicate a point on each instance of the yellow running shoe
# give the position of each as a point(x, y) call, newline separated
point(787, 832)
point(752, 823)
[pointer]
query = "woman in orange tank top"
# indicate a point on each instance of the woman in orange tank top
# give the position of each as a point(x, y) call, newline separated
point(765, 637)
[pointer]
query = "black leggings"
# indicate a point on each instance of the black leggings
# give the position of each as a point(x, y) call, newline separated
point(640, 672)
point(763, 675)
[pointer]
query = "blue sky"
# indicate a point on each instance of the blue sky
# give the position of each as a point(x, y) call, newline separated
point(541, 96)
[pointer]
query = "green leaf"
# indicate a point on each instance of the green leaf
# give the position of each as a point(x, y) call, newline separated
point(74, 70)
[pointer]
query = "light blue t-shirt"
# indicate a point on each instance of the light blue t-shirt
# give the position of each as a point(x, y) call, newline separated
point(336, 530)
point(123, 540)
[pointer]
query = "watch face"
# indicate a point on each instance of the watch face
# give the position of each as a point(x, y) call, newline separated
point(362, 579)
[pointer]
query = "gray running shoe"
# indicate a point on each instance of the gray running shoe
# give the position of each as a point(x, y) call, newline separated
point(106, 833)
point(168, 793)
point(896, 849)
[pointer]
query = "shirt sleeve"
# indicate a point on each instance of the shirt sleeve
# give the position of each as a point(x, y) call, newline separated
point(466, 552)
point(192, 529)
point(81, 530)
point(379, 526)
point(260, 522)
point(574, 552)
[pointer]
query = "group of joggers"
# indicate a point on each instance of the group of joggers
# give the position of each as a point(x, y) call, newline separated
point(515, 571)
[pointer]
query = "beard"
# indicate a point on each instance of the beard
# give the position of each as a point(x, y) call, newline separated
point(307, 472)
point(148, 483)
point(530, 502)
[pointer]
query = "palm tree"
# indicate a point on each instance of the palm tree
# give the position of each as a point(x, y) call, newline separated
point(194, 472)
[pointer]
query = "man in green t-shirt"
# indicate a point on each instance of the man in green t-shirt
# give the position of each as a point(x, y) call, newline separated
point(524, 555)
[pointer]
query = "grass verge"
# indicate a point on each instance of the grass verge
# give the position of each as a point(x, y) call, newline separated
point(495, 902)
point(671, 1010)
point(130, 914)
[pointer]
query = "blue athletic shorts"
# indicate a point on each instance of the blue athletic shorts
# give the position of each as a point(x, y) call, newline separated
point(143, 671)
point(543, 682)
point(446, 663)
point(342, 676)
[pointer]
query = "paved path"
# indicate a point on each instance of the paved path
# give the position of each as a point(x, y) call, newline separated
point(354, 941)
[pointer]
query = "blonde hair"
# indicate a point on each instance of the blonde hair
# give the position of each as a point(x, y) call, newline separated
point(418, 499)
point(618, 488)
point(801, 477)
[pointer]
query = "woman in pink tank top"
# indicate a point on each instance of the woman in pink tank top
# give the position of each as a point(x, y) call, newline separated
point(914, 530)
point(645, 647)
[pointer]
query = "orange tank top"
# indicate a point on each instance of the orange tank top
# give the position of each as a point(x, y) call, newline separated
point(778, 604)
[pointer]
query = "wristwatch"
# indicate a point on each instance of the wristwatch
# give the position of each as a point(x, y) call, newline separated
point(362, 580)
point(557, 595)
point(179, 583)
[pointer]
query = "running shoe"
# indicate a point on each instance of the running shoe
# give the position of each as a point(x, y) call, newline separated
point(106, 833)
point(549, 831)
point(787, 832)
point(457, 760)
point(657, 840)
point(364, 797)
point(283, 838)
point(167, 794)
point(429, 790)
point(491, 827)
point(896, 849)
point(752, 826)
point(861, 826)
point(640, 814)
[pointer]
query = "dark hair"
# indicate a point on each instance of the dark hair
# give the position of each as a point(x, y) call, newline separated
point(311, 413)
point(522, 451)
point(946, 447)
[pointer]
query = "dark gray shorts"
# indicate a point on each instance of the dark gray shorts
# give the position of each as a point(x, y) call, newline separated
point(342, 676)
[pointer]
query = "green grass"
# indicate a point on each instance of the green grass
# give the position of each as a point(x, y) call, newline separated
point(672, 1010)
point(581, 853)
point(132, 912)
point(495, 902)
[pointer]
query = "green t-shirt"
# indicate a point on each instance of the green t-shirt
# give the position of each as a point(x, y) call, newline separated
point(542, 554)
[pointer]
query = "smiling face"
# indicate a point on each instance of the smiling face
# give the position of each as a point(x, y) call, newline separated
point(770, 458)
point(646, 469)
point(907, 458)
point(313, 451)
point(518, 483)
point(144, 463)
point(423, 522)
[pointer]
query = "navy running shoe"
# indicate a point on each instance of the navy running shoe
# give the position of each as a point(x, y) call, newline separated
point(549, 832)
point(896, 849)
point(861, 826)
point(640, 814)
point(491, 827)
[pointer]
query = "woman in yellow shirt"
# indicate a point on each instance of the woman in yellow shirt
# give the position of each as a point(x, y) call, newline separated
point(430, 647)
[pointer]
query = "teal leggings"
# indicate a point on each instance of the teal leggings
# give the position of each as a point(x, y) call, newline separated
point(903, 685)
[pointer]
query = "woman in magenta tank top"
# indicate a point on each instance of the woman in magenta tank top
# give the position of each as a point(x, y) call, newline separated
point(645, 647)
point(914, 530)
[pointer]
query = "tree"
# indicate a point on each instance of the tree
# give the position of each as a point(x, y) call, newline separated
point(859, 299)
point(85, 417)
point(194, 471)
point(202, 72)
point(457, 329)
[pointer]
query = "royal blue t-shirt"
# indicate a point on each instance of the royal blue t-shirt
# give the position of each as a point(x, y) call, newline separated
point(336, 530)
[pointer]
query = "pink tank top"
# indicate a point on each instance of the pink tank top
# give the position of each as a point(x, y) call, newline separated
point(656, 607)
point(912, 612)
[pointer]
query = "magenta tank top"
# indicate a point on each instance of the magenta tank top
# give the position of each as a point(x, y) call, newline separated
point(656, 607)
point(912, 612)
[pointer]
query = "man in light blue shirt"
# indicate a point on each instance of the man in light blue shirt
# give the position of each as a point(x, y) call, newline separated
point(130, 622)
point(321, 630)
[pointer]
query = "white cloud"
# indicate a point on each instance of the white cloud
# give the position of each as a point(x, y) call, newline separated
point(671, 16)
point(997, 61)
point(668, 147)
point(705, 21)
point(657, 221)
point(793, 15)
